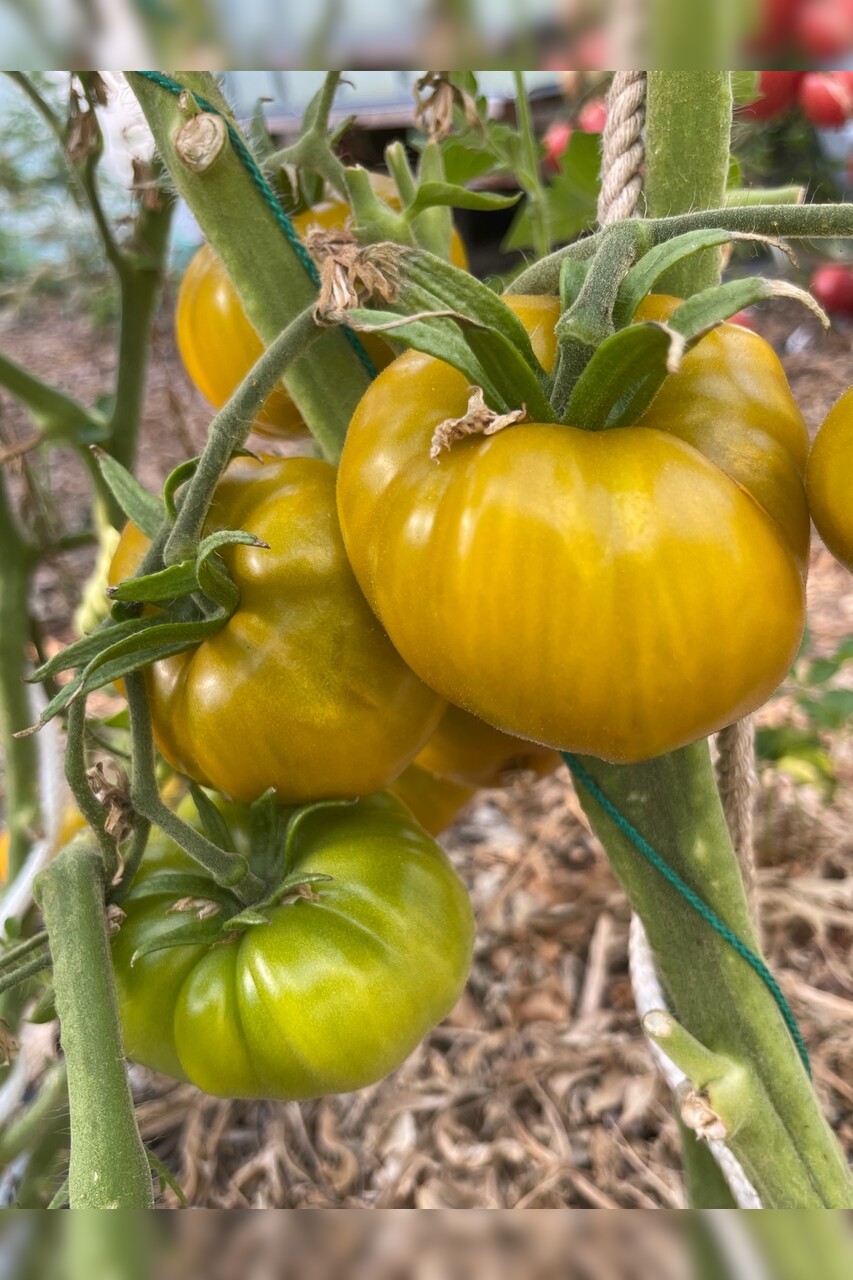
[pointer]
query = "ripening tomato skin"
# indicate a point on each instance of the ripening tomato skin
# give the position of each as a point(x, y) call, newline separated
point(301, 690)
point(778, 90)
point(612, 592)
point(328, 996)
point(829, 480)
point(434, 801)
point(217, 341)
point(832, 286)
point(468, 750)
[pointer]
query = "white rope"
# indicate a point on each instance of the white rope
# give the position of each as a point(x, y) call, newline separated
point(623, 152)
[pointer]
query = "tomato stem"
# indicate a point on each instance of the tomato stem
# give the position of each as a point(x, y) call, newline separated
point(269, 274)
point(688, 128)
point(229, 430)
point(776, 1127)
point(109, 1167)
point(227, 868)
point(790, 221)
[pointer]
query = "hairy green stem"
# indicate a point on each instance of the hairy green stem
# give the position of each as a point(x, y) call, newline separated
point(688, 127)
point(789, 221)
point(54, 412)
point(140, 277)
point(29, 969)
point(536, 199)
point(230, 869)
point(23, 809)
point(313, 149)
point(272, 281)
point(109, 1167)
point(22, 1134)
point(229, 429)
point(77, 779)
point(777, 1130)
point(11, 956)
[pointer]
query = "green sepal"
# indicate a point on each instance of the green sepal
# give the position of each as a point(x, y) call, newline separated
point(184, 884)
point(267, 824)
point(213, 578)
point(177, 477)
point(156, 588)
point(81, 652)
point(642, 277)
point(484, 356)
point(572, 276)
point(248, 917)
point(145, 509)
point(622, 377)
point(432, 194)
point(705, 310)
point(165, 1178)
point(138, 650)
point(295, 821)
point(191, 933)
point(213, 822)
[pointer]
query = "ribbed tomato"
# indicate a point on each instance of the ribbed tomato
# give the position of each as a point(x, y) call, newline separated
point(469, 751)
point(301, 690)
point(620, 592)
point(331, 993)
point(829, 480)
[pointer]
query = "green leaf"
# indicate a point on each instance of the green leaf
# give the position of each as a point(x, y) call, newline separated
point(464, 162)
point(832, 710)
point(571, 198)
point(165, 1178)
point(213, 822)
point(143, 508)
point(266, 835)
point(82, 651)
point(432, 194)
point(155, 588)
point(44, 1010)
point(249, 916)
point(622, 377)
point(772, 743)
point(821, 670)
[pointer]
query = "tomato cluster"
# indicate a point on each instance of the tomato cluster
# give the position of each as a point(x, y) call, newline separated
point(819, 29)
point(824, 97)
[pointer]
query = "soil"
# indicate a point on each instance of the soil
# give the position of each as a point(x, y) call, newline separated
point(538, 1091)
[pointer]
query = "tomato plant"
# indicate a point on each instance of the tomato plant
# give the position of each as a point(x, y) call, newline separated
point(331, 992)
point(434, 801)
point(217, 342)
point(673, 550)
point(828, 480)
point(301, 690)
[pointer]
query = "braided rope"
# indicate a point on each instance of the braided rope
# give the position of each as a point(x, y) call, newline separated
point(623, 153)
point(623, 149)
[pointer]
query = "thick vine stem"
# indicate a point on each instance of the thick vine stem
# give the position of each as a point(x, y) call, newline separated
point(230, 869)
point(786, 221)
point(231, 426)
point(20, 754)
point(688, 123)
point(272, 281)
point(109, 1167)
point(777, 1130)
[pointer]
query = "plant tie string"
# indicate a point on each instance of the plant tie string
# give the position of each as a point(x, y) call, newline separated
point(267, 195)
point(690, 896)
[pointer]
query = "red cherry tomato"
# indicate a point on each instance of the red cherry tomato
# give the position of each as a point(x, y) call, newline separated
point(592, 116)
point(826, 98)
point(824, 28)
point(557, 138)
point(832, 285)
point(775, 24)
point(778, 90)
point(744, 319)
